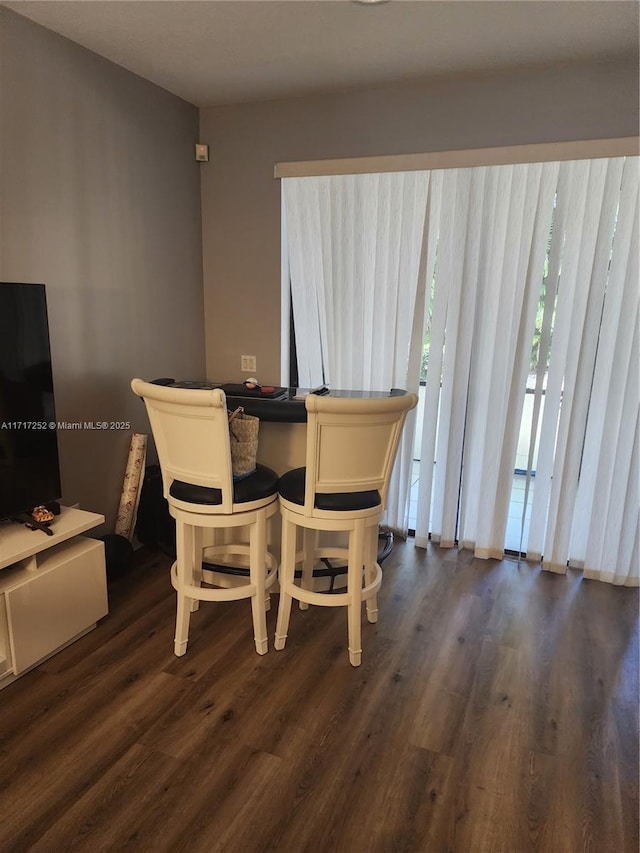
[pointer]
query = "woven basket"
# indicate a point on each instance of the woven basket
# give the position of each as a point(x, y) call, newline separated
point(243, 435)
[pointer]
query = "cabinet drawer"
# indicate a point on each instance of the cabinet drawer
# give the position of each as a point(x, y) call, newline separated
point(62, 598)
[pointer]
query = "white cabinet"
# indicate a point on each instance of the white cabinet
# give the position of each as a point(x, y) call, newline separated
point(52, 589)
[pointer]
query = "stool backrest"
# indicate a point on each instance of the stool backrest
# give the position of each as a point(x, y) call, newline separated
point(191, 433)
point(352, 443)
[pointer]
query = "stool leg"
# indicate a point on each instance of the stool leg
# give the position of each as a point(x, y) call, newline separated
point(287, 569)
point(184, 573)
point(371, 557)
point(309, 540)
point(197, 565)
point(267, 595)
point(258, 572)
point(354, 588)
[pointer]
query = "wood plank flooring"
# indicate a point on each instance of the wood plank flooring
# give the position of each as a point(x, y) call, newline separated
point(496, 711)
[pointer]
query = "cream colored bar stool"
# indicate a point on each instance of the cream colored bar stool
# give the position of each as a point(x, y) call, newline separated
point(191, 434)
point(351, 447)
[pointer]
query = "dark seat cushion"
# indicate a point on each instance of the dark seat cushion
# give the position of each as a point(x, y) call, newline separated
point(261, 484)
point(291, 487)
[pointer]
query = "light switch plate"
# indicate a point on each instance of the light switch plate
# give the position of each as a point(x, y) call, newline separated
point(248, 363)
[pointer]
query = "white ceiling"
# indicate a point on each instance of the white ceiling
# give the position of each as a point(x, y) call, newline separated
point(213, 52)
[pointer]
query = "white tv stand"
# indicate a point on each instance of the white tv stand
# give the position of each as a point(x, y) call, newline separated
point(53, 589)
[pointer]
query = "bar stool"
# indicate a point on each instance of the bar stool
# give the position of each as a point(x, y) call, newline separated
point(191, 434)
point(351, 447)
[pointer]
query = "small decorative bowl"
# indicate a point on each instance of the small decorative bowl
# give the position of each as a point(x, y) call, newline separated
point(42, 515)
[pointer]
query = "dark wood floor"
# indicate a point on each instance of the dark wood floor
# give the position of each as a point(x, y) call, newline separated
point(496, 709)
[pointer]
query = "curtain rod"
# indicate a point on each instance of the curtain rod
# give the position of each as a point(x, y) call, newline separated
point(584, 149)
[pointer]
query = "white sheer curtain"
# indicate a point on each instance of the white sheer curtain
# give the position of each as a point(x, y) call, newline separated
point(492, 235)
point(585, 503)
point(494, 228)
point(375, 259)
point(357, 286)
point(601, 535)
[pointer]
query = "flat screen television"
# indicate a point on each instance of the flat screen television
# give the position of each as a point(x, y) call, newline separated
point(29, 463)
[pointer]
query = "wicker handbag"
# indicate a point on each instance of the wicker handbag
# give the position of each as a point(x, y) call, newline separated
point(243, 435)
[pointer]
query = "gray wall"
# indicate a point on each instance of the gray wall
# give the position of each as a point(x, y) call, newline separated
point(100, 201)
point(241, 199)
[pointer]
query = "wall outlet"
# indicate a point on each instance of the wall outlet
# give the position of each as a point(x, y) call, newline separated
point(248, 363)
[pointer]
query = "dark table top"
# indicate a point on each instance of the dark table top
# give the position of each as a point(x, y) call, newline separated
point(280, 405)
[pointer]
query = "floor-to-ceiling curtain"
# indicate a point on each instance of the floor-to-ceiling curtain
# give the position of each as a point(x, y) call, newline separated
point(586, 483)
point(357, 285)
point(504, 232)
point(471, 254)
point(492, 236)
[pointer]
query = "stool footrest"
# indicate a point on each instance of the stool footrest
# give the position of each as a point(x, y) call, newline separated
point(334, 599)
point(203, 593)
point(210, 552)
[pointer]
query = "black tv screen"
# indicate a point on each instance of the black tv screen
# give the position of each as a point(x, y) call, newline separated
point(29, 465)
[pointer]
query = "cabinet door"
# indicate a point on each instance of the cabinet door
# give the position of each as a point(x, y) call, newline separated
point(66, 595)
